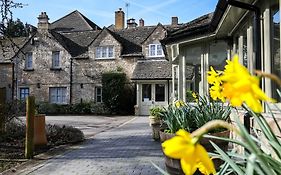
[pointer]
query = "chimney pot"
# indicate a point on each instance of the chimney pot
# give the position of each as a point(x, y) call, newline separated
point(131, 23)
point(141, 22)
point(175, 21)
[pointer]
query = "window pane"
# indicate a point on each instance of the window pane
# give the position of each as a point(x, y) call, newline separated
point(146, 92)
point(98, 94)
point(24, 92)
point(160, 92)
point(56, 59)
point(58, 95)
point(98, 52)
point(110, 51)
point(104, 49)
point(276, 64)
point(28, 60)
point(159, 49)
point(152, 50)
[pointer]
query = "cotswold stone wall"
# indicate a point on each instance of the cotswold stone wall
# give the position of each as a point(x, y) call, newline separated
point(42, 76)
point(87, 73)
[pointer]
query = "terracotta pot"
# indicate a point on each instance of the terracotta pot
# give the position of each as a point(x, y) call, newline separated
point(40, 137)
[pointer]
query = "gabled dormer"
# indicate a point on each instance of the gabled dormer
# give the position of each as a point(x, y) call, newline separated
point(151, 46)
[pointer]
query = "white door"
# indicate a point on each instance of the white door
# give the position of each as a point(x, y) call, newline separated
point(153, 94)
point(146, 98)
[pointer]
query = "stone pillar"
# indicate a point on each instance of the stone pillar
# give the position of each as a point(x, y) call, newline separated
point(180, 80)
point(267, 50)
point(183, 78)
point(240, 48)
point(250, 50)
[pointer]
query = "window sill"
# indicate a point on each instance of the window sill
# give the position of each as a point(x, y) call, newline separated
point(56, 69)
point(25, 69)
point(113, 58)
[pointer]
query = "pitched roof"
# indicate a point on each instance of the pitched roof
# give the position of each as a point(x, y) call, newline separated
point(197, 26)
point(75, 50)
point(132, 38)
point(152, 69)
point(82, 38)
point(74, 21)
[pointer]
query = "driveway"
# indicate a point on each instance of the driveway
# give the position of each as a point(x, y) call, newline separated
point(89, 125)
point(125, 150)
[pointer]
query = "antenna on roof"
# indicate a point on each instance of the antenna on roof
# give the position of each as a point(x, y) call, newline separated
point(127, 4)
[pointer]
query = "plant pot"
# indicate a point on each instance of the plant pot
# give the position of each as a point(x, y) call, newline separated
point(173, 166)
point(153, 120)
point(205, 142)
point(155, 131)
point(40, 138)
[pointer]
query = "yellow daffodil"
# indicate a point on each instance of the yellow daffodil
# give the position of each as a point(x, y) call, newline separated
point(213, 76)
point(216, 92)
point(179, 103)
point(240, 86)
point(192, 155)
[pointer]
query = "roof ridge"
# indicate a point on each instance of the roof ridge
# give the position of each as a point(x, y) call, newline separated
point(65, 16)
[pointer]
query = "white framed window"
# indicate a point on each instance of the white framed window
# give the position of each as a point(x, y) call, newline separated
point(155, 50)
point(24, 93)
point(28, 61)
point(98, 94)
point(104, 52)
point(56, 59)
point(57, 95)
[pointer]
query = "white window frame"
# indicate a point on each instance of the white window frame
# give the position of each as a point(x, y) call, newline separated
point(104, 52)
point(29, 61)
point(98, 95)
point(155, 50)
point(24, 92)
point(57, 95)
point(56, 62)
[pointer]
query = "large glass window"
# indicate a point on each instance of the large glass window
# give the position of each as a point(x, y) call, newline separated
point(276, 61)
point(155, 50)
point(98, 94)
point(159, 92)
point(104, 52)
point(24, 93)
point(218, 55)
point(28, 61)
point(58, 95)
point(146, 92)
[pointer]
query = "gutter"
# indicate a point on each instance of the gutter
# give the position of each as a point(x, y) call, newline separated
point(71, 81)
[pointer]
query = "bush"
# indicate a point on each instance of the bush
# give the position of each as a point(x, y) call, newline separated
point(58, 135)
point(156, 111)
point(79, 108)
point(117, 93)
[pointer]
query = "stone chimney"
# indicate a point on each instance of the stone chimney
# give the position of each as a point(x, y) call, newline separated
point(119, 19)
point(43, 22)
point(175, 21)
point(131, 23)
point(141, 22)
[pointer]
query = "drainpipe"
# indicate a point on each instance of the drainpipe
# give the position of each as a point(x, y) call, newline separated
point(257, 36)
point(71, 81)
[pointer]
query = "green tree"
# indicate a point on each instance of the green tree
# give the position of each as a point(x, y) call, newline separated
point(16, 29)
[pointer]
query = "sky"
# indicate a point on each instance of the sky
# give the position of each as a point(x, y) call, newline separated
point(102, 13)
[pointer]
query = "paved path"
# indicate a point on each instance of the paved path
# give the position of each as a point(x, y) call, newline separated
point(126, 150)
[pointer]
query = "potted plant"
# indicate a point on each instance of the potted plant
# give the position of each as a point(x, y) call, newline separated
point(155, 121)
point(191, 117)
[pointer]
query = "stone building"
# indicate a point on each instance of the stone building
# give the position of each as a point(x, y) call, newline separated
point(63, 61)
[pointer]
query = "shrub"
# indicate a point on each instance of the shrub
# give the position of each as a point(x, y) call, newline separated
point(117, 93)
point(156, 111)
point(58, 135)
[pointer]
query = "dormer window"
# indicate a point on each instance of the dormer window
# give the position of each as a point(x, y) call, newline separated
point(55, 59)
point(104, 52)
point(28, 61)
point(155, 50)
